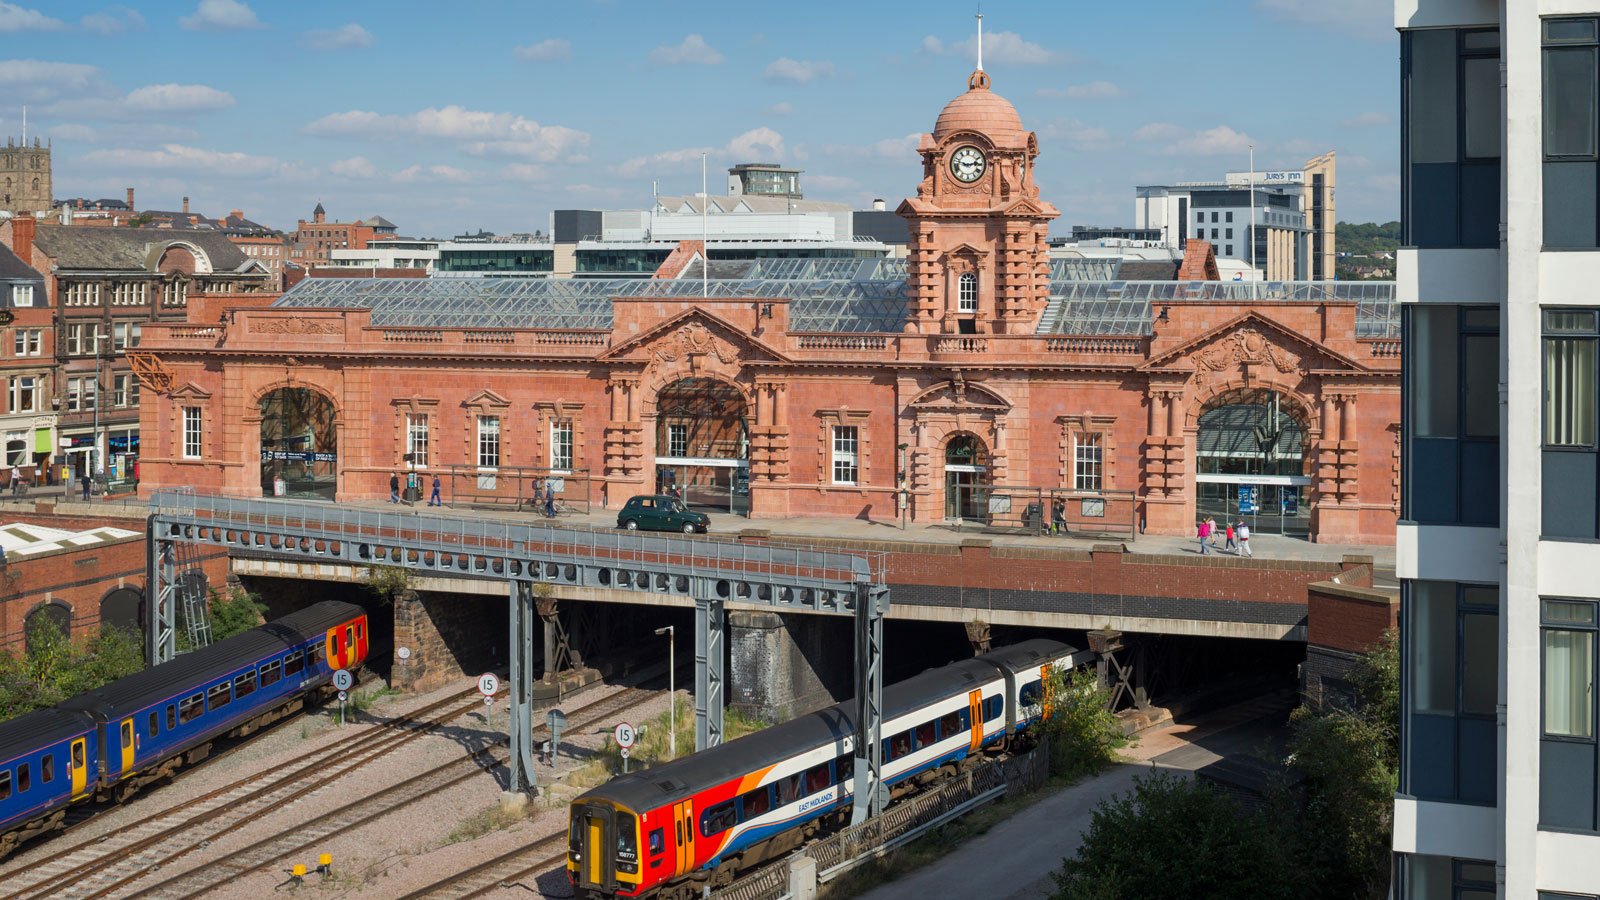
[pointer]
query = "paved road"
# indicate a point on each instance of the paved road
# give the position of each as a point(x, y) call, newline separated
point(1032, 844)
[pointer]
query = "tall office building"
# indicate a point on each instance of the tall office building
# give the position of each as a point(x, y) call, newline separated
point(1497, 544)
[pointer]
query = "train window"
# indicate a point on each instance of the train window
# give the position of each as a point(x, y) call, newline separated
point(152, 723)
point(628, 843)
point(190, 708)
point(950, 725)
point(127, 734)
point(271, 672)
point(817, 779)
point(47, 768)
point(718, 819)
point(172, 717)
point(788, 789)
point(924, 734)
point(294, 663)
point(5, 783)
point(1030, 695)
point(899, 745)
point(219, 696)
point(244, 684)
point(756, 802)
point(77, 755)
point(349, 637)
point(360, 631)
point(22, 778)
point(658, 841)
point(994, 707)
point(844, 767)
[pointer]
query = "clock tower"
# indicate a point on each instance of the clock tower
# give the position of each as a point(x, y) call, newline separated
point(978, 260)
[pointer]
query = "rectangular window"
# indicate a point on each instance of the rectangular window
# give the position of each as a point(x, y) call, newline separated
point(22, 295)
point(23, 780)
point(190, 708)
point(1213, 218)
point(845, 443)
point(24, 393)
point(5, 783)
point(417, 439)
point(1228, 232)
point(219, 696)
point(271, 672)
point(1571, 458)
point(1452, 654)
point(191, 432)
point(1571, 152)
point(1229, 218)
point(1087, 461)
point(47, 768)
point(677, 439)
point(244, 684)
point(125, 335)
point(1569, 668)
point(27, 341)
point(1450, 137)
point(294, 663)
point(119, 390)
point(1228, 251)
point(488, 442)
point(1452, 415)
point(561, 444)
point(172, 717)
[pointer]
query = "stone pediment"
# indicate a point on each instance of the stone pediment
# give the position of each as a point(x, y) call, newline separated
point(190, 391)
point(486, 398)
point(1251, 340)
point(959, 395)
point(691, 335)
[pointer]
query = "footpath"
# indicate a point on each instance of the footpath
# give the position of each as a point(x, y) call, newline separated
point(1014, 859)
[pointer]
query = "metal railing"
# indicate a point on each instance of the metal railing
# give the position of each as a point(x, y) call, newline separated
point(1037, 510)
point(904, 822)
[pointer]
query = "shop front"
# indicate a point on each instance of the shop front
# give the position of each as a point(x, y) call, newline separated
point(703, 446)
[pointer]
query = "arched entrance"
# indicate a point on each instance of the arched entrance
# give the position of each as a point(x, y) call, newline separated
point(299, 445)
point(50, 615)
point(121, 607)
point(703, 445)
point(966, 478)
point(1251, 446)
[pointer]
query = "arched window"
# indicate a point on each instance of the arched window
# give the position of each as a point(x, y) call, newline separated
point(967, 295)
point(36, 185)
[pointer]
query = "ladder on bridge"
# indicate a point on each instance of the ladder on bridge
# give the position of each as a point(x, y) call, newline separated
point(191, 583)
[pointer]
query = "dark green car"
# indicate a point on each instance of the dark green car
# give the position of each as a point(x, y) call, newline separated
point(660, 512)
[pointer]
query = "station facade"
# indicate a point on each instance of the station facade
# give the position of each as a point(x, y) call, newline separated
point(974, 380)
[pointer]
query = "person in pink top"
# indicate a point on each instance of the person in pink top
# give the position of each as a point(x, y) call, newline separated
point(1205, 532)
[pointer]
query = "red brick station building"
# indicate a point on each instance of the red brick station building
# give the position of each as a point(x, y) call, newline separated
point(977, 379)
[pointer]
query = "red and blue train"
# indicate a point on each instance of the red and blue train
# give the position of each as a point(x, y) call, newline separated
point(671, 830)
point(107, 743)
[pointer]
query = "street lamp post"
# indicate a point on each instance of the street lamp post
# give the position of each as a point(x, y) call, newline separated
point(672, 691)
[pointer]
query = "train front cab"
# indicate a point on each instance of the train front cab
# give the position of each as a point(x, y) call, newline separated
point(603, 849)
point(346, 645)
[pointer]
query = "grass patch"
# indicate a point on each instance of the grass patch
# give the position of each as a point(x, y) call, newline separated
point(360, 701)
point(654, 745)
point(490, 819)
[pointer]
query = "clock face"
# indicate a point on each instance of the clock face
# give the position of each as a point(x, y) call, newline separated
point(967, 164)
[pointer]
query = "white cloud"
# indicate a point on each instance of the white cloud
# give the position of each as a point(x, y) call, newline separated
point(17, 18)
point(348, 36)
point(178, 98)
point(834, 183)
point(757, 143)
point(483, 133)
point(1094, 90)
point(442, 174)
point(1081, 136)
point(897, 149)
point(784, 108)
point(189, 159)
point(113, 20)
point(37, 81)
point(547, 50)
point(1218, 141)
point(999, 48)
point(1158, 131)
point(221, 15)
point(798, 71)
point(693, 51)
point(1368, 120)
point(525, 172)
point(125, 134)
point(1372, 20)
point(354, 167)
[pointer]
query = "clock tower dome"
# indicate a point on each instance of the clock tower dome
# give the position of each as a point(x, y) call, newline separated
point(978, 260)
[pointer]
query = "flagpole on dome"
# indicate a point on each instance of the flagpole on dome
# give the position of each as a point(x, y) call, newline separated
point(980, 38)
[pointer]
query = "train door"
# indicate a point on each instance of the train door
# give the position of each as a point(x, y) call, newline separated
point(591, 827)
point(79, 764)
point(975, 711)
point(683, 826)
point(127, 745)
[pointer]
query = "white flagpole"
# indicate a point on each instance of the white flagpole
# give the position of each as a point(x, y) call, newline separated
point(980, 42)
point(1252, 188)
point(705, 240)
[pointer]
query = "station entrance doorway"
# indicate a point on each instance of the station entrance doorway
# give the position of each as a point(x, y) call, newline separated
point(966, 479)
point(703, 445)
point(1251, 448)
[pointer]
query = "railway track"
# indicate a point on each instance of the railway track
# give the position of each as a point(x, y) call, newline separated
point(88, 868)
point(307, 834)
point(505, 869)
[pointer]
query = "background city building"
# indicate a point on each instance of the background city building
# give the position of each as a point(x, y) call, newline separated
point(25, 176)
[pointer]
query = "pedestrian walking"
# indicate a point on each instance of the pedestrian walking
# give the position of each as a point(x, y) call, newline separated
point(1204, 531)
point(16, 481)
point(1058, 522)
point(1230, 544)
point(1211, 531)
point(1243, 531)
point(433, 500)
point(84, 477)
point(394, 487)
point(549, 501)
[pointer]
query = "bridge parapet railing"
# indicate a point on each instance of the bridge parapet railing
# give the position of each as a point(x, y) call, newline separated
point(287, 525)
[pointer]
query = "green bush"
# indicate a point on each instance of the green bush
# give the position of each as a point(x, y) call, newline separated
point(233, 611)
point(56, 667)
point(1084, 734)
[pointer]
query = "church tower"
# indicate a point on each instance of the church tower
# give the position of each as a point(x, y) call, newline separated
point(25, 177)
point(978, 259)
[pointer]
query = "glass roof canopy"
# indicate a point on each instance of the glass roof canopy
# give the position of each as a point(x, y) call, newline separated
point(867, 302)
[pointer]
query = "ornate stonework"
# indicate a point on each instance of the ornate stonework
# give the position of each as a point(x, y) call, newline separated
point(296, 325)
point(691, 340)
point(1246, 346)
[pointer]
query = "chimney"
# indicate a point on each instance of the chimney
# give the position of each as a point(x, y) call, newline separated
point(186, 206)
point(878, 205)
point(80, 203)
point(130, 199)
point(235, 214)
point(22, 228)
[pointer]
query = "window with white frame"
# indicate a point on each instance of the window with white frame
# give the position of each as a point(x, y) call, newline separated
point(967, 293)
point(22, 295)
point(417, 439)
point(80, 394)
point(83, 338)
point(561, 444)
point(677, 439)
point(26, 341)
point(1087, 461)
point(845, 470)
point(24, 393)
point(191, 432)
point(124, 390)
point(17, 448)
point(488, 442)
point(125, 335)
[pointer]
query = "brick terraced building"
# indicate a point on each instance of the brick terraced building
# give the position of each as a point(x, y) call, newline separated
point(974, 380)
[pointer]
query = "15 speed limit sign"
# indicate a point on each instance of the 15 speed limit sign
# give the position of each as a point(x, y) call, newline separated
point(624, 735)
point(343, 680)
point(488, 684)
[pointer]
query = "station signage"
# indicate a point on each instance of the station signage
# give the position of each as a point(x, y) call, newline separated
point(297, 456)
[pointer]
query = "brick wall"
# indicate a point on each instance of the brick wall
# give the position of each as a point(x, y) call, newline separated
point(782, 666)
point(447, 636)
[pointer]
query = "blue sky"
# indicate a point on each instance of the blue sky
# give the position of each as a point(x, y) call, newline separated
point(452, 117)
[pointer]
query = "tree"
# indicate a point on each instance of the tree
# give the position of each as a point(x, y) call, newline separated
point(388, 581)
point(56, 667)
point(233, 611)
point(1084, 733)
point(1170, 837)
